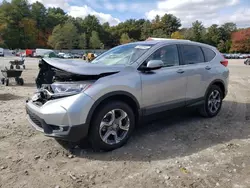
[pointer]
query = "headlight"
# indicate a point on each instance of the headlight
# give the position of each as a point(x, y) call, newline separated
point(69, 88)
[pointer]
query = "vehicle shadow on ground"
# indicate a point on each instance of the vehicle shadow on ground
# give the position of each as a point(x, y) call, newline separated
point(8, 97)
point(13, 84)
point(179, 135)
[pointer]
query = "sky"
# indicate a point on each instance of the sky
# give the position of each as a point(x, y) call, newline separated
point(116, 11)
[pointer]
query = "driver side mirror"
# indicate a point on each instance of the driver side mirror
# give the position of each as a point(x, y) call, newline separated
point(153, 65)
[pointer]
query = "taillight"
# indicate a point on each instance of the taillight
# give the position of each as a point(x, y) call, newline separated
point(224, 62)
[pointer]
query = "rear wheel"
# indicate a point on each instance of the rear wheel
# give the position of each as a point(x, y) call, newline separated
point(7, 81)
point(20, 81)
point(213, 102)
point(11, 67)
point(112, 126)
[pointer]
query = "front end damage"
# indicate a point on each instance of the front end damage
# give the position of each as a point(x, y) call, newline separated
point(60, 107)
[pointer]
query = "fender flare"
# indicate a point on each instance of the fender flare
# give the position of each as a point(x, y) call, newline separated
point(212, 83)
point(102, 98)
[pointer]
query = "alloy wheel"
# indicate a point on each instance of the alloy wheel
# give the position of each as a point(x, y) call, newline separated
point(214, 101)
point(114, 126)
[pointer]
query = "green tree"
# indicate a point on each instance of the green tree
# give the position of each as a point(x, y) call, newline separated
point(55, 39)
point(177, 35)
point(213, 35)
point(159, 33)
point(125, 38)
point(70, 35)
point(83, 41)
point(94, 41)
point(64, 37)
point(55, 16)
point(170, 24)
point(197, 31)
point(227, 29)
point(146, 30)
point(11, 16)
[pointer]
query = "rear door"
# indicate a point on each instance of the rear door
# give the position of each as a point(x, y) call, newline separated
point(164, 88)
point(198, 70)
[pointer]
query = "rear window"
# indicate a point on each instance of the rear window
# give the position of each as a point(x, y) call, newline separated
point(192, 54)
point(209, 54)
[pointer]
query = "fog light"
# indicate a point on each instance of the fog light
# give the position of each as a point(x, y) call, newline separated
point(58, 129)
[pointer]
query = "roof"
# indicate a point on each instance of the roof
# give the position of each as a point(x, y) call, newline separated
point(171, 41)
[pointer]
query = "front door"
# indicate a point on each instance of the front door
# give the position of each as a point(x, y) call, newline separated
point(164, 88)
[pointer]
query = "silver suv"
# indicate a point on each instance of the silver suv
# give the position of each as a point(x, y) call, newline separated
point(104, 100)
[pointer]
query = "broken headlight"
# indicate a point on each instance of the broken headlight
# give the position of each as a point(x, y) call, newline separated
point(69, 88)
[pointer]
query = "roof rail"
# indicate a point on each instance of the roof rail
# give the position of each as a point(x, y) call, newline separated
point(152, 38)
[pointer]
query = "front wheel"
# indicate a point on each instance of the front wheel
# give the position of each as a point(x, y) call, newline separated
point(112, 126)
point(213, 102)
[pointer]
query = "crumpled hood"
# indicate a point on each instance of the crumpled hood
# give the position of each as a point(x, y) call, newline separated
point(81, 67)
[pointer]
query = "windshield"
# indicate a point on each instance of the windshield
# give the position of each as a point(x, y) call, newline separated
point(124, 54)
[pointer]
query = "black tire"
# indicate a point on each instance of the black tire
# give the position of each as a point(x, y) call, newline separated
point(23, 66)
point(204, 110)
point(2, 80)
point(11, 67)
point(17, 66)
point(20, 81)
point(94, 137)
point(17, 80)
point(7, 81)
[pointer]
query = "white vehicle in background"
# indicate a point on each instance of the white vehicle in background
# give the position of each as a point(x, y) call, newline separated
point(41, 52)
point(61, 54)
point(67, 56)
point(2, 52)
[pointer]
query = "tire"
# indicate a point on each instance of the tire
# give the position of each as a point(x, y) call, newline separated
point(11, 67)
point(23, 66)
point(206, 110)
point(97, 135)
point(6, 81)
point(17, 66)
point(2, 80)
point(20, 81)
point(17, 80)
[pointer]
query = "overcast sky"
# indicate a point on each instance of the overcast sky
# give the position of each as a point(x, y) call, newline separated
point(115, 11)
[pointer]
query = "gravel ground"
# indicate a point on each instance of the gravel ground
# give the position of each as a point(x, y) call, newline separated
point(180, 151)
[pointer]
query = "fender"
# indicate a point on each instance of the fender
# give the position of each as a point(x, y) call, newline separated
point(114, 93)
point(212, 83)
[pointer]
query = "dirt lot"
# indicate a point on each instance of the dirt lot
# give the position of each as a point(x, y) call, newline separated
point(181, 151)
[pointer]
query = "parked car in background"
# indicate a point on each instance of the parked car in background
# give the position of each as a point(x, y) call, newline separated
point(60, 54)
point(247, 61)
point(104, 100)
point(67, 56)
point(41, 52)
point(29, 53)
point(2, 52)
point(77, 56)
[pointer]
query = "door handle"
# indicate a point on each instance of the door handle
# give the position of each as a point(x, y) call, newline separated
point(207, 67)
point(180, 71)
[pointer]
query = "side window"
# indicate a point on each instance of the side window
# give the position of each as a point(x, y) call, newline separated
point(209, 54)
point(168, 54)
point(192, 54)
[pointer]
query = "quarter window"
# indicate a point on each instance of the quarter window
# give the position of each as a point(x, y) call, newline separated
point(209, 54)
point(168, 54)
point(192, 54)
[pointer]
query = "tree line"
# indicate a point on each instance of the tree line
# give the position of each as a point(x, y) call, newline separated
point(24, 25)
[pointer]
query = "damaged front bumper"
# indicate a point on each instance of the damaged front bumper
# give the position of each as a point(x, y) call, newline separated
point(63, 118)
